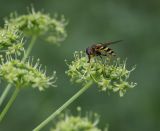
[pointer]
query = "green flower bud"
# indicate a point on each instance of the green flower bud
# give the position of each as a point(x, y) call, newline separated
point(39, 24)
point(25, 74)
point(107, 74)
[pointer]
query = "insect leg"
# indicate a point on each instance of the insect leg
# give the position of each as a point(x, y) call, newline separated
point(89, 58)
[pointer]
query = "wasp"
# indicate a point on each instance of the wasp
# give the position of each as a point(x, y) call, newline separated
point(100, 49)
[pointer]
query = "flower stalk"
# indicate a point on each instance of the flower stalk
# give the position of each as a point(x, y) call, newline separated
point(30, 47)
point(64, 106)
point(4, 94)
point(10, 102)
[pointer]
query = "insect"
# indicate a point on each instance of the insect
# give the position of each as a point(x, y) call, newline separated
point(100, 49)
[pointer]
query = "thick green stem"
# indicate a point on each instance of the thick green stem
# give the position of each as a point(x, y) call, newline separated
point(64, 106)
point(4, 94)
point(7, 89)
point(10, 102)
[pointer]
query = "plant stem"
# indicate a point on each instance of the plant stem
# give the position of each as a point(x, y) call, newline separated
point(10, 102)
point(33, 40)
point(7, 89)
point(4, 94)
point(64, 106)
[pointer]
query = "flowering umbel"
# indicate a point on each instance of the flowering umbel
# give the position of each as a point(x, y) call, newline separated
point(39, 24)
point(69, 122)
point(107, 74)
point(24, 73)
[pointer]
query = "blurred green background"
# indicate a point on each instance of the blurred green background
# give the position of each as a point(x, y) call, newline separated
point(136, 22)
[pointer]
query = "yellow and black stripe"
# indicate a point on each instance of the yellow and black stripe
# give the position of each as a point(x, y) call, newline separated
point(109, 51)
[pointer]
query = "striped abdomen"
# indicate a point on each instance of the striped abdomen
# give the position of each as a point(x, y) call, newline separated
point(108, 51)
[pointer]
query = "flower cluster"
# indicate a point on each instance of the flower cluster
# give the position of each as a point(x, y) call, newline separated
point(25, 73)
point(39, 24)
point(107, 74)
point(21, 73)
point(11, 41)
point(77, 123)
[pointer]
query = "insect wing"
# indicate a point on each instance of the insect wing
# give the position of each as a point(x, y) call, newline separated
point(111, 42)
